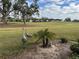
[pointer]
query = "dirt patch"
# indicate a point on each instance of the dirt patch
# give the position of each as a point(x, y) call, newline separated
point(57, 51)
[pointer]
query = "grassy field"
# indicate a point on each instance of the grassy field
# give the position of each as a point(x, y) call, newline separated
point(10, 38)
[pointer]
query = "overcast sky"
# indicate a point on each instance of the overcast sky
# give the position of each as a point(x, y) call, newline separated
point(59, 8)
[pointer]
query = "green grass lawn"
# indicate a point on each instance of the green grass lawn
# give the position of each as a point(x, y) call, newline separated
point(10, 38)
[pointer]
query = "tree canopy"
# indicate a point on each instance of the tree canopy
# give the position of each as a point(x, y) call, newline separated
point(26, 11)
point(19, 6)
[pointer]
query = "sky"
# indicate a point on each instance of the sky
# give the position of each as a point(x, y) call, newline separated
point(59, 9)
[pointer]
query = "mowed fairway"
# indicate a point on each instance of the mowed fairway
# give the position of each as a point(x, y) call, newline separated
point(10, 37)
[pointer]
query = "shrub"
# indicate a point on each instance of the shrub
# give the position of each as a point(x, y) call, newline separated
point(75, 48)
point(74, 56)
point(45, 36)
point(78, 41)
point(63, 40)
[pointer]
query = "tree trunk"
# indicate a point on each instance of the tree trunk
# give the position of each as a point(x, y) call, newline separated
point(23, 17)
point(24, 21)
point(43, 43)
point(47, 41)
point(4, 20)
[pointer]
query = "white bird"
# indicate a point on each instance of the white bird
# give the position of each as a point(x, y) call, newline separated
point(25, 35)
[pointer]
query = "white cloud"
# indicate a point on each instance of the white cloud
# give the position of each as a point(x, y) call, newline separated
point(55, 11)
point(50, 11)
point(56, 0)
point(67, 9)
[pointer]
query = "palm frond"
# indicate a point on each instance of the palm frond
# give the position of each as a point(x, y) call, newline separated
point(42, 34)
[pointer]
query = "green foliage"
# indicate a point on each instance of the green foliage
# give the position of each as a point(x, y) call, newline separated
point(23, 43)
point(45, 36)
point(77, 41)
point(75, 20)
point(67, 20)
point(19, 6)
point(75, 48)
point(26, 10)
point(6, 9)
point(11, 50)
point(74, 56)
point(63, 40)
point(15, 6)
point(17, 20)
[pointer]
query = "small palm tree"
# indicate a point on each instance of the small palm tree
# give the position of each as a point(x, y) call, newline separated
point(45, 36)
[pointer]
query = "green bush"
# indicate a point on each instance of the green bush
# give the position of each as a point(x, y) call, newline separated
point(63, 40)
point(74, 56)
point(75, 48)
point(78, 41)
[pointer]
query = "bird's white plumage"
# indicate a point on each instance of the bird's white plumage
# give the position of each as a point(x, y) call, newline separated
point(24, 36)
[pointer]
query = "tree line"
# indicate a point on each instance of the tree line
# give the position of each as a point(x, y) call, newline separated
point(44, 19)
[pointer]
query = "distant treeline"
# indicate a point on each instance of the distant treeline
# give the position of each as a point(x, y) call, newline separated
point(41, 20)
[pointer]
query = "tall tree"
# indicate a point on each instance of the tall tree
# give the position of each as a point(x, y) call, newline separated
point(67, 19)
point(5, 9)
point(26, 11)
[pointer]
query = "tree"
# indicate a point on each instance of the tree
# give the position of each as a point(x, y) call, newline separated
point(67, 20)
point(45, 36)
point(5, 9)
point(57, 19)
point(26, 10)
point(75, 20)
point(44, 19)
